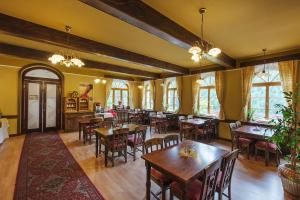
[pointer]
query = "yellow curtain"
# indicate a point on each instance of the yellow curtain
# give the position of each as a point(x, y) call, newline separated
point(288, 75)
point(247, 77)
point(164, 103)
point(179, 92)
point(108, 90)
point(144, 95)
point(219, 82)
point(152, 93)
point(132, 99)
point(195, 94)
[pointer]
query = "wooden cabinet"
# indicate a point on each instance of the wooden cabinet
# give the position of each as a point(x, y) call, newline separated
point(71, 104)
point(83, 104)
point(71, 120)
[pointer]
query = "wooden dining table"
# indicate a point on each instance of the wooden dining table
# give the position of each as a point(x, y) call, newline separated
point(194, 121)
point(106, 134)
point(179, 168)
point(254, 132)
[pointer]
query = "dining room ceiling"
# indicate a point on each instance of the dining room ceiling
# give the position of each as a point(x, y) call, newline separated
point(239, 28)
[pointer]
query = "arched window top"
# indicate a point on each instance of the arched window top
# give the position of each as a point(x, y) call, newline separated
point(121, 84)
point(272, 72)
point(172, 84)
point(208, 79)
point(42, 73)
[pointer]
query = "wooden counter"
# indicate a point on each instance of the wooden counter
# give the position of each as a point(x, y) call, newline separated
point(71, 119)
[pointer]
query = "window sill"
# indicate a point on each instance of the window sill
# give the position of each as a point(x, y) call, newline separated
point(257, 123)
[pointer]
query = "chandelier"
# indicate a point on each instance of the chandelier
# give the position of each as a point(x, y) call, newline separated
point(263, 74)
point(202, 48)
point(66, 58)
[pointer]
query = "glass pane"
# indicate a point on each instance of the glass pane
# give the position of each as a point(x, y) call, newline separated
point(125, 97)
point(176, 101)
point(203, 99)
point(276, 97)
point(214, 103)
point(170, 106)
point(172, 84)
point(110, 100)
point(258, 102)
point(119, 84)
point(148, 100)
point(117, 96)
point(272, 73)
point(33, 106)
point(51, 105)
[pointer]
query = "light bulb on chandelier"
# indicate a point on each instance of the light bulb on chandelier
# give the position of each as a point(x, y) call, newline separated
point(66, 58)
point(199, 51)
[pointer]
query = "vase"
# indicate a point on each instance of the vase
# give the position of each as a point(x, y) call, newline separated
point(290, 180)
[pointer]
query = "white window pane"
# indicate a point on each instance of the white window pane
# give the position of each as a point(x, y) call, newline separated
point(258, 101)
point(276, 97)
point(117, 97)
point(203, 99)
point(214, 103)
point(125, 97)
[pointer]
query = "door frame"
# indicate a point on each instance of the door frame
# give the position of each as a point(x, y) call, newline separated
point(21, 100)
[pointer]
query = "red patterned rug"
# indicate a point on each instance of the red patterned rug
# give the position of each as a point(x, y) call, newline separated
point(48, 171)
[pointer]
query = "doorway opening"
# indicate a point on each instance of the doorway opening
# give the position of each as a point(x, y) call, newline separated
point(41, 99)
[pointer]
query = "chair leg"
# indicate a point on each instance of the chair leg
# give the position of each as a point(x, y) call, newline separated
point(248, 152)
point(229, 191)
point(125, 155)
point(113, 158)
point(163, 193)
point(171, 195)
point(267, 157)
point(134, 151)
point(255, 153)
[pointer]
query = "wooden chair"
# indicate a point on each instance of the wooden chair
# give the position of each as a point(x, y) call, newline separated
point(160, 179)
point(240, 142)
point(171, 140)
point(162, 126)
point(153, 124)
point(118, 144)
point(137, 140)
point(268, 148)
point(88, 131)
point(225, 175)
point(203, 132)
point(203, 189)
point(186, 131)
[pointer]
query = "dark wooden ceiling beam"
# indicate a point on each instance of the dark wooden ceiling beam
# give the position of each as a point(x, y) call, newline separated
point(34, 54)
point(283, 56)
point(209, 68)
point(139, 14)
point(28, 30)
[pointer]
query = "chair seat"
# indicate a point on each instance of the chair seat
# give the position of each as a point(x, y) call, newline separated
point(193, 192)
point(263, 144)
point(245, 141)
point(161, 178)
point(116, 145)
point(131, 140)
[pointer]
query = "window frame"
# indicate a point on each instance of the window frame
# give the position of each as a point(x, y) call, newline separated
point(148, 92)
point(267, 86)
point(208, 88)
point(174, 90)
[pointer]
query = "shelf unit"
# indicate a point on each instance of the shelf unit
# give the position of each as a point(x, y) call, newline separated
point(71, 104)
point(83, 104)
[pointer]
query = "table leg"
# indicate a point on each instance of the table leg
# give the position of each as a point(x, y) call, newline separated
point(184, 195)
point(79, 131)
point(97, 145)
point(148, 181)
point(106, 151)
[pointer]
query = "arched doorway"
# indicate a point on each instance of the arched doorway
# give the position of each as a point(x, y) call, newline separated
point(41, 98)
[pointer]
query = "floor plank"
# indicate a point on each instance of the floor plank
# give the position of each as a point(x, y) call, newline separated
point(251, 179)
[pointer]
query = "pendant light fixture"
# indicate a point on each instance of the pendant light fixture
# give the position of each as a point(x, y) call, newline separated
point(263, 74)
point(203, 48)
point(66, 58)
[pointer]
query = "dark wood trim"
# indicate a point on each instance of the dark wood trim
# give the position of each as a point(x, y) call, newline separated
point(10, 116)
point(205, 69)
point(119, 77)
point(285, 56)
point(139, 14)
point(28, 30)
point(29, 53)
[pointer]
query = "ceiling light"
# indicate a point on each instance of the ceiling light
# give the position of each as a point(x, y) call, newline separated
point(66, 58)
point(263, 74)
point(201, 48)
point(97, 80)
point(103, 81)
point(140, 86)
point(200, 80)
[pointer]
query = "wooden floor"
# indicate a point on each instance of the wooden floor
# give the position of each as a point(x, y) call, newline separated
point(251, 179)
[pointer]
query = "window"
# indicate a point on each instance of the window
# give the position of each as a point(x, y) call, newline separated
point(266, 92)
point(208, 101)
point(148, 100)
point(119, 92)
point(172, 96)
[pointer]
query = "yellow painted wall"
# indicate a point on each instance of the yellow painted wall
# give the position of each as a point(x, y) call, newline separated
point(9, 68)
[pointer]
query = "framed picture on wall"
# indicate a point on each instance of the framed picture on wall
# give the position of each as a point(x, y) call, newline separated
point(86, 91)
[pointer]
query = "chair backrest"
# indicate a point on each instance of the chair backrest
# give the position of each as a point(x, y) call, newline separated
point(119, 139)
point(238, 124)
point(153, 144)
point(190, 116)
point(228, 163)
point(210, 181)
point(140, 135)
point(171, 140)
point(232, 126)
point(106, 124)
